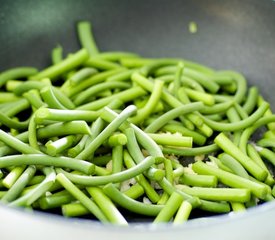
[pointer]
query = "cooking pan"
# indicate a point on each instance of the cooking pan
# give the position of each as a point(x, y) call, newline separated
point(231, 34)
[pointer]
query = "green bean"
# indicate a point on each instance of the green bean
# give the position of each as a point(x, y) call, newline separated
point(63, 128)
point(194, 151)
point(145, 112)
point(106, 206)
point(195, 95)
point(7, 121)
point(102, 160)
point(233, 116)
point(251, 100)
point(172, 140)
point(74, 209)
point(64, 115)
point(16, 73)
point(165, 95)
point(271, 125)
point(134, 62)
point(215, 207)
point(114, 178)
point(148, 189)
point(7, 97)
point(234, 126)
point(55, 200)
point(177, 79)
point(86, 38)
point(135, 152)
point(198, 180)
point(26, 86)
point(34, 98)
point(121, 76)
point(234, 165)
point(65, 65)
point(28, 159)
point(217, 194)
point(49, 98)
point(56, 54)
point(84, 96)
point(13, 175)
point(230, 179)
point(254, 155)
point(32, 133)
point(183, 213)
point(171, 207)
point(134, 191)
point(172, 114)
point(243, 114)
point(125, 96)
point(19, 185)
point(79, 195)
point(268, 155)
point(81, 75)
point(36, 179)
point(16, 143)
point(113, 126)
point(17, 106)
point(170, 188)
point(117, 158)
point(117, 139)
point(53, 148)
point(95, 79)
point(101, 64)
point(217, 108)
point(29, 198)
point(116, 55)
point(250, 130)
point(229, 147)
point(238, 207)
point(132, 205)
point(266, 142)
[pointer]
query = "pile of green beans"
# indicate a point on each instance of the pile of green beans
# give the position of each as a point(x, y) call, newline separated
point(109, 134)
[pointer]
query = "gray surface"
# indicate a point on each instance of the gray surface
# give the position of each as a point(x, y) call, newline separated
point(231, 34)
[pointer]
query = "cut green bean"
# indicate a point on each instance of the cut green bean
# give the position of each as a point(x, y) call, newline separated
point(16, 73)
point(79, 195)
point(56, 54)
point(84, 96)
point(19, 185)
point(127, 112)
point(43, 114)
point(13, 175)
point(171, 207)
point(238, 125)
point(230, 148)
point(172, 114)
point(217, 194)
point(106, 206)
point(41, 159)
point(65, 65)
point(114, 178)
point(29, 198)
point(198, 180)
point(230, 179)
point(63, 128)
point(86, 38)
point(183, 213)
point(132, 205)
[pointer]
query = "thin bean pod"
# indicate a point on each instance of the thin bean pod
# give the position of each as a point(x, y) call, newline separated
point(114, 178)
point(79, 195)
point(16, 73)
point(65, 65)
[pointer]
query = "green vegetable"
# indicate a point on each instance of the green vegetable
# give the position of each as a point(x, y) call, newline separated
point(106, 134)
